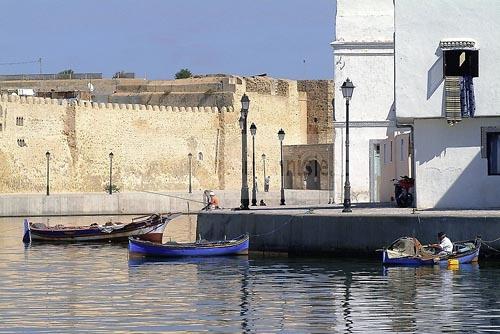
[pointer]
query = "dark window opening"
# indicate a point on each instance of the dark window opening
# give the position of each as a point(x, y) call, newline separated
point(493, 151)
point(20, 121)
point(461, 63)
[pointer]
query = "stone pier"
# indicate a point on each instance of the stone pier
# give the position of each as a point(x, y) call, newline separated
point(328, 231)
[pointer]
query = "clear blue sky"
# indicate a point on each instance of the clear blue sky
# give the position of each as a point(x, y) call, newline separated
point(158, 37)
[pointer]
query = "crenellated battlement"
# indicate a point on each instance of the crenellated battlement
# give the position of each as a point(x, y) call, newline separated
point(110, 106)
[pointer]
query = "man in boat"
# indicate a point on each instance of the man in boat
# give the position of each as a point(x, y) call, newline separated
point(214, 201)
point(445, 245)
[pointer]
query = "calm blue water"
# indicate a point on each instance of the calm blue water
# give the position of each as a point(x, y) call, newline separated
point(97, 288)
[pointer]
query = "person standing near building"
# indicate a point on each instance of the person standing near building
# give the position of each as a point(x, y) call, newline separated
point(267, 180)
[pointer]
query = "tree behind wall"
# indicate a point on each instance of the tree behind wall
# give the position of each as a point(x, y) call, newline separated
point(183, 74)
point(66, 74)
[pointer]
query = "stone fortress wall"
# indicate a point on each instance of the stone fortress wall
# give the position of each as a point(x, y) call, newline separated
point(150, 143)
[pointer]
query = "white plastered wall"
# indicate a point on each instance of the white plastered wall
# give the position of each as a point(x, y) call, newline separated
point(363, 51)
point(450, 172)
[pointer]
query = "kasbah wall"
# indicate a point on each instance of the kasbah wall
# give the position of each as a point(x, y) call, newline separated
point(150, 144)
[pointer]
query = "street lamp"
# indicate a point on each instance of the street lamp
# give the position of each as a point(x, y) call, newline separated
point(347, 89)
point(264, 162)
point(281, 137)
point(190, 157)
point(245, 102)
point(110, 173)
point(48, 159)
point(253, 131)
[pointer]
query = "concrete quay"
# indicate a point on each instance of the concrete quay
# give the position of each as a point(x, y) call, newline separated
point(325, 230)
point(138, 202)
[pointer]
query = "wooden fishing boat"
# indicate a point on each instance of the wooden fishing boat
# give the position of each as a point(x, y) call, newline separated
point(238, 246)
point(149, 227)
point(407, 251)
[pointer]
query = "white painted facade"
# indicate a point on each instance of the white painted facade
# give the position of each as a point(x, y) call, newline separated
point(451, 168)
point(364, 52)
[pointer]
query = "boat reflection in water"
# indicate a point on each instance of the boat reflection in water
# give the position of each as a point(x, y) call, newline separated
point(67, 288)
point(429, 298)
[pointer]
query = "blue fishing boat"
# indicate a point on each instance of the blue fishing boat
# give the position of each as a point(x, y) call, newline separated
point(237, 246)
point(149, 227)
point(407, 251)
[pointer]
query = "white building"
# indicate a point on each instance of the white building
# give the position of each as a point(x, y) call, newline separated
point(457, 148)
point(364, 52)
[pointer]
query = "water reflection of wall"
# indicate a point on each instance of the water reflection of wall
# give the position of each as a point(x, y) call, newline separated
point(301, 295)
point(432, 299)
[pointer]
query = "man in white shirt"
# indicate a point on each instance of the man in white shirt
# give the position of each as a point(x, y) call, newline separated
point(445, 245)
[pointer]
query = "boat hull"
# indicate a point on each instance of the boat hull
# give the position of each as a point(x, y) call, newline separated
point(443, 261)
point(238, 246)
point(147, 229)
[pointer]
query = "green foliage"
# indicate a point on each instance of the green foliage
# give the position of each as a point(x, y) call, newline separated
point(114, 188)
point(66, 74)
point(119, 74)
point(183, 74)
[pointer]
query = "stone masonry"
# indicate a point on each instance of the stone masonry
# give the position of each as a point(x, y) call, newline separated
point(150, 143)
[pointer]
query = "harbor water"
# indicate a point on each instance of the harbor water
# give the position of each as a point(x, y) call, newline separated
point(88, 288)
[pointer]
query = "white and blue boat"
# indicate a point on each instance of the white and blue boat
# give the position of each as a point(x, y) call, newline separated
point(407, 251)
point(237, 246)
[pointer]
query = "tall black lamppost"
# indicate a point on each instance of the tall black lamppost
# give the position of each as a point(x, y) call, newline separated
point(253, 131)
point(281, 137)
point(190, 158)
point(110, 173)
point(48, 159)
point(347, 89)
point(264, 162)
point(245, 102)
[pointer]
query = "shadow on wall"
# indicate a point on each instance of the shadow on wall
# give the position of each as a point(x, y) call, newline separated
point(435, 74)
point(429, 134)
point(471, 188)
point(391, 115)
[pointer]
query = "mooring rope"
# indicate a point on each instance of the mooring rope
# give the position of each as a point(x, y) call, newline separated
point(10, 230)
point(492, 248)
point(490, 241)
point(272, 231)
point(178, 197)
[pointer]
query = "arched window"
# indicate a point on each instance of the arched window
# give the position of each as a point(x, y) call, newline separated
point(200, 156)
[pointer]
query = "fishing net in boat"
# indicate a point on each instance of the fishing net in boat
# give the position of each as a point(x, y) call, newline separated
point(408, 246)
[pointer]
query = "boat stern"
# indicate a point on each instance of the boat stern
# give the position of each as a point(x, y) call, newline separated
point(27, 232)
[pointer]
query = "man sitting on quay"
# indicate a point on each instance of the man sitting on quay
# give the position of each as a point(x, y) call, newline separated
point(214, 202)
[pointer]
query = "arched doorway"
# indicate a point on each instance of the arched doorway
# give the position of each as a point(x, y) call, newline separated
point(312, 175)
point(289, 180)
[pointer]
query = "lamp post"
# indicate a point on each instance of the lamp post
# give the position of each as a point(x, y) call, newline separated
point(48, 159)
point(110, 173)
point(245, 102)
point(264, 162)
point(253, 131)
point(281, 137)
point(347, 89)
point(190, 158)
